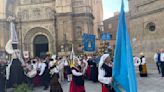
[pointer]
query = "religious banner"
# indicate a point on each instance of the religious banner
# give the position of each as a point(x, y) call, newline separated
point(106, 36)
point(89, 42)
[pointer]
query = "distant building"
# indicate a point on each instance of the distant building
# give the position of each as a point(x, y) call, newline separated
point(110, 26)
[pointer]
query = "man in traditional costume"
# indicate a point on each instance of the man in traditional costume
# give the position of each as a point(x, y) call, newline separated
point(142, 66)
point(105, 73)
point(77, 83)
point(162, 62)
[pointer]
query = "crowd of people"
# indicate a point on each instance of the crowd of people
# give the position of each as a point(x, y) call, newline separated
point(51, 71)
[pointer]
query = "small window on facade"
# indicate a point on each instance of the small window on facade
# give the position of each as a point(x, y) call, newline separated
point(151, 26)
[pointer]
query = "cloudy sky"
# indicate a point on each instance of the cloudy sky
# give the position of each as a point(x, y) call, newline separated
point(111, 6)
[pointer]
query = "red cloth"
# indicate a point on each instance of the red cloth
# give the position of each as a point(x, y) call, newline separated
point(37, 80)
point(104, 89)
point(88, 72)
point(75, 88)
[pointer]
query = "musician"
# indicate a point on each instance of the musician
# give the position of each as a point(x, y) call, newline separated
point(54, 71)
point(77, 83)
point(105, 73)
point(16, 76)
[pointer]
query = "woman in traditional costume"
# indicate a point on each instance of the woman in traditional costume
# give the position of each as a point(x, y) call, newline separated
point(37, 64)
point(77, 83)
point(54, 82)
point(105, 73)
point(143, 66)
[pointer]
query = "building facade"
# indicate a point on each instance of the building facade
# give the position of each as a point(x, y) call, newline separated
point(147, 25)
point(110, 26)
point(51, 25)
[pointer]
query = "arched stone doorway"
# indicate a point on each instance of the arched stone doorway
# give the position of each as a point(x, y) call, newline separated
point(40, 45)
point(38, 35)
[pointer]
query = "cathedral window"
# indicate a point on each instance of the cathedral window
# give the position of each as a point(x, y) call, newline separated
point(151, 26)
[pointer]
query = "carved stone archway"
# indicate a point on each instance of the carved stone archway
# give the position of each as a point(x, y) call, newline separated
point(30, 36)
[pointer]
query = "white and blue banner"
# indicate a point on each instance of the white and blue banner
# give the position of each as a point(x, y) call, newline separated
point(89, 42)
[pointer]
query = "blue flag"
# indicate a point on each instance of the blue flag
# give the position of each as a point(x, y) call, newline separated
point(123, 70)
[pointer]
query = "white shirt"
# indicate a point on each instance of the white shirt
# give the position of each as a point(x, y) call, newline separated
point(143, 61)
point(156, 57)
point(65, 63)
point(74, 72)
point(42, 68)
point(162, 57)
point(86, 64)
point(61, 65)
point(102, 79)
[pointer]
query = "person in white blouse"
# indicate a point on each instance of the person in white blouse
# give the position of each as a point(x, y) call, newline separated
point(77, 83)
point(105, 73)
point(143, 66)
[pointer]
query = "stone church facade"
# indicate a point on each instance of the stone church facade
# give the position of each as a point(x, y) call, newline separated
point(51, 25)
point(147, 25)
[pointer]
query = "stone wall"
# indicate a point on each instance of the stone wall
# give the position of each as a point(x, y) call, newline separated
point(147, 26)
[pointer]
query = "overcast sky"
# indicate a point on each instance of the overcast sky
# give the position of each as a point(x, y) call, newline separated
point(111, 6)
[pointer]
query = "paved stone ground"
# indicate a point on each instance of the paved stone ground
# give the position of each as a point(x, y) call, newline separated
point(153, 83)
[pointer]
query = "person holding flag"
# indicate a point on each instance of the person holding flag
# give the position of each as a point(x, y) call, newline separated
point(124, 75)
point(105, 73)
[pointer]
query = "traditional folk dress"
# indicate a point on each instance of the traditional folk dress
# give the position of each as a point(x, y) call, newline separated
point(88, 70)
point(77, 83)
point(94, 71)
point(67, 70)
point(54, 83)
point(105, 75)
point(45, 75)
point(143, 67)
point(37, 79)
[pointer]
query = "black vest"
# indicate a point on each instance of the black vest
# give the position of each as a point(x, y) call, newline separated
point(79, 80)
point(108, 70)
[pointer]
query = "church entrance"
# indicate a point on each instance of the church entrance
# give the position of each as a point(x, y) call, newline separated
point(40, 45)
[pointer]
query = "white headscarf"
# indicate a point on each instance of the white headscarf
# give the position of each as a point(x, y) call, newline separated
point(102, 59)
